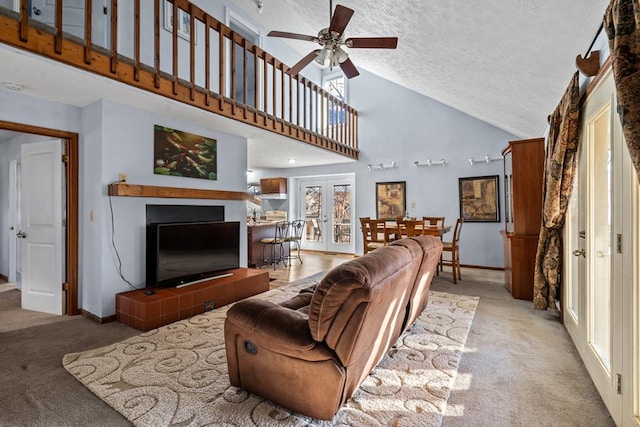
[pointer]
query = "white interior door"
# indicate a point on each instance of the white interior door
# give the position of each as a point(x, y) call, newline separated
point(41, 221)
point(327, 207)
point(597, 265)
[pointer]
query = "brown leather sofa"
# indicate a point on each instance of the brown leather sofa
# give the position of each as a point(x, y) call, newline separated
point(311, 352)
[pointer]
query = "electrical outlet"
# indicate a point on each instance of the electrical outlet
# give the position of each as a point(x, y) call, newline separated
point(122, 177)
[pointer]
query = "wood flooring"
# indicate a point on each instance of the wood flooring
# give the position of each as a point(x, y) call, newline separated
point(312, 262)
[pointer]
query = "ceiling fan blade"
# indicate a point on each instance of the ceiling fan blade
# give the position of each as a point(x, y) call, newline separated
point(303, 63)
point(295, 36)
point(372, 42)
point(349, 69)
point(341, 17)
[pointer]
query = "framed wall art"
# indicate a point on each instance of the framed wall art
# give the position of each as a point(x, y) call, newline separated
point(180, 153)
point(479, 199)
point(391, 199)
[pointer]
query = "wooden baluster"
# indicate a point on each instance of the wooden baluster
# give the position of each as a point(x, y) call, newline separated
point(174, 25)
point(290, 79)
point(114, 35)
point(304, 101)
point(298, 100)
point(24, 20)
point(207, 61)
point(245, 78)
point(265, 89)
point(322, 110)
point(87, 31)
point(233, 72)
point(255, 79)
point(282, 98)
point(221, 64)
point(58, 24)
point(156, 43)
point(273, 90)
point(136, 40)
point(192, 52)
point(343, 124)
point(355, 117)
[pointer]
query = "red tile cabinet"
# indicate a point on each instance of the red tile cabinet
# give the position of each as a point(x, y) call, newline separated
point(168, 305)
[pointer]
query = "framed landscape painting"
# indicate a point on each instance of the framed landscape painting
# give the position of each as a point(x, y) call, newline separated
point(479, 199)
point(391, 199)
point(180, 153)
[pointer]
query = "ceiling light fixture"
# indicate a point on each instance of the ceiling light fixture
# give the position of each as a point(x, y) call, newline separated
point(260, 6)
point(291, 161)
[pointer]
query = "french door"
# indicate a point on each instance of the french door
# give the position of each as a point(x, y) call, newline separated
point(601, 256)
point(326, 206)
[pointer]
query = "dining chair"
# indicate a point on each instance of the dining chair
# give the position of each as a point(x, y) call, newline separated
point(372, 230)
point(410, 227)
point(435, 221)
point(453, 247)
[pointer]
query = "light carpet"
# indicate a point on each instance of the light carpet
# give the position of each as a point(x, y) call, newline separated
point(177, 375)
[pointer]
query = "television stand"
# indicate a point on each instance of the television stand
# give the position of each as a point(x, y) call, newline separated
point(168, 305)
point(218, 276)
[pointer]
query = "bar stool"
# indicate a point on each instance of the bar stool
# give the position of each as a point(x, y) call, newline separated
point(296, 228)
point(276, 244)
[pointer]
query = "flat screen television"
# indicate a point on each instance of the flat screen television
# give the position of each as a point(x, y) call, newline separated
point(190, 252)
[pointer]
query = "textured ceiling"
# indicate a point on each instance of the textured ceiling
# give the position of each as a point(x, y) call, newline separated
point(506, 62)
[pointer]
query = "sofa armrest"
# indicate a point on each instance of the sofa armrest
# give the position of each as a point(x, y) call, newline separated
point(280, 329)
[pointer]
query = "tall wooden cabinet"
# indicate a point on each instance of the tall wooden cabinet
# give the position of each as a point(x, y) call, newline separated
point(523, 172)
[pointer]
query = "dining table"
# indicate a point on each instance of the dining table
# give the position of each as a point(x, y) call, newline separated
point(391, 231)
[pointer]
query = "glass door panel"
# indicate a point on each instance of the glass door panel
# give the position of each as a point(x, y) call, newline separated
point(313, 216)
point(599, 253)
point(341, 217)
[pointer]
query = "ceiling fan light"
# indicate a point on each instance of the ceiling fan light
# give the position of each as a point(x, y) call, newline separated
point(322, 56)
point(339, 56)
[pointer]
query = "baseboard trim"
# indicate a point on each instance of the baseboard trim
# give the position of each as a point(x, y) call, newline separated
point(482, 267)
point(4, 278)
point(97, 319)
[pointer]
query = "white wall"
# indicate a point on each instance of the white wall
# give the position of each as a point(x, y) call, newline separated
point(127, 146)
point(113, 139)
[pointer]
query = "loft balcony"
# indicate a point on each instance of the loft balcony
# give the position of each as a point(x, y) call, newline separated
point(174, 49)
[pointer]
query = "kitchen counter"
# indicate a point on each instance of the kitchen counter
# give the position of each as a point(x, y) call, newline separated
point(256, 232)
point(261, 224)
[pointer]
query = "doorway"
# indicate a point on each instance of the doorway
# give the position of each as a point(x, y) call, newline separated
point(326, 206)
point(70, 206)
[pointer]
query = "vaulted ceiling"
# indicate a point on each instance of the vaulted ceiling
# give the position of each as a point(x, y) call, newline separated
point(506, 62)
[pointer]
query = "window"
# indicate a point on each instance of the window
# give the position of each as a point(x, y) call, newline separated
point(253, 36)
point(334, 82)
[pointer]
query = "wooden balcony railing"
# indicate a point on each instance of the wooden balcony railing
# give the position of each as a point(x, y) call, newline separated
point(188, 56)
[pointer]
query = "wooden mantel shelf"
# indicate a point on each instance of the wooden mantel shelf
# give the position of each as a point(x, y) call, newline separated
point(132, 190)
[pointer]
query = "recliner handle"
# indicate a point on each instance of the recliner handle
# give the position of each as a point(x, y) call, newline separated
point(250, 347)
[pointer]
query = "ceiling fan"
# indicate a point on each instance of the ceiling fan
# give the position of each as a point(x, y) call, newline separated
point(332, 40)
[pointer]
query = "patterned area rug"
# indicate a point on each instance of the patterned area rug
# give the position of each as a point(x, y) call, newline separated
point(177, 375)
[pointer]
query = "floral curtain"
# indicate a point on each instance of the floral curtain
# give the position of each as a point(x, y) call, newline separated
point(622, 24)
point(559, 170)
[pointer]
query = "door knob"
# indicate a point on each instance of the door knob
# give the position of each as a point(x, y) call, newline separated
point(579, 252)
point(21, 234)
